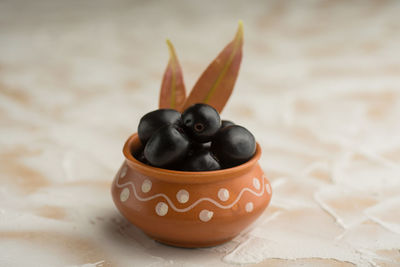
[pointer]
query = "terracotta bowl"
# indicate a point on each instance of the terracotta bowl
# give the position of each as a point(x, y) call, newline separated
point(190, 209)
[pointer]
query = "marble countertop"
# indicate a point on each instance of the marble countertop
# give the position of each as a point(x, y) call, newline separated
point(319, 87)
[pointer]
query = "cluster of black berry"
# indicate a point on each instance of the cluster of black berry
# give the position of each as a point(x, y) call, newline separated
point(196, 140)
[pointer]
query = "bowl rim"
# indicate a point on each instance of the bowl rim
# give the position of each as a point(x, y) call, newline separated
point(185, 176)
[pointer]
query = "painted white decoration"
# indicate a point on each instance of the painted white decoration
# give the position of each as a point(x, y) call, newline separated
point(249, 207)
point(161, 208)
point(256, 183)
point(223, 194)
point(124, 170)
point(206, 215)
point(171, 204)
point(124, 194)
point(146, 186)
point(182, 196)
point(268, 187)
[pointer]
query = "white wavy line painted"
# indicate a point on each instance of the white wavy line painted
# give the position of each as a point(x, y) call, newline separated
point(246, 189)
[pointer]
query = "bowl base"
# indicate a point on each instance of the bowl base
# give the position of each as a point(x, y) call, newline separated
point(192, 245)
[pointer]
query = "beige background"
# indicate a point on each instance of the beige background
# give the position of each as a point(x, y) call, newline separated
point(319, 87)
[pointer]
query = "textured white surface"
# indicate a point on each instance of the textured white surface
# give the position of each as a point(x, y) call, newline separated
point(319, 87)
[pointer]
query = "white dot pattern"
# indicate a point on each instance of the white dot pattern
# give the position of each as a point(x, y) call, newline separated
point(206, 215)
point(124, 170)
point(268, 188)
point(223, 194)
point(124, 194)
point(249, 207)
point(256, 183)
point(182, 196)
point(161, 208)
point(146, 186)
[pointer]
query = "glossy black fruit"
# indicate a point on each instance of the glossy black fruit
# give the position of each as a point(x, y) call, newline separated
point(194, 147)
point(198, 146)
point(233, 145)
point(154, 120)
point(166, 146)
point(201, 122)
point(139, 155)
point(225, 123)
point(201, 160)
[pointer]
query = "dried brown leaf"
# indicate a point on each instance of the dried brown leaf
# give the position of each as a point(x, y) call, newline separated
point(215, 85)
point(172, 92)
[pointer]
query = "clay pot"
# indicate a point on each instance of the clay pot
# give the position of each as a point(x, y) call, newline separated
point(190, 209)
